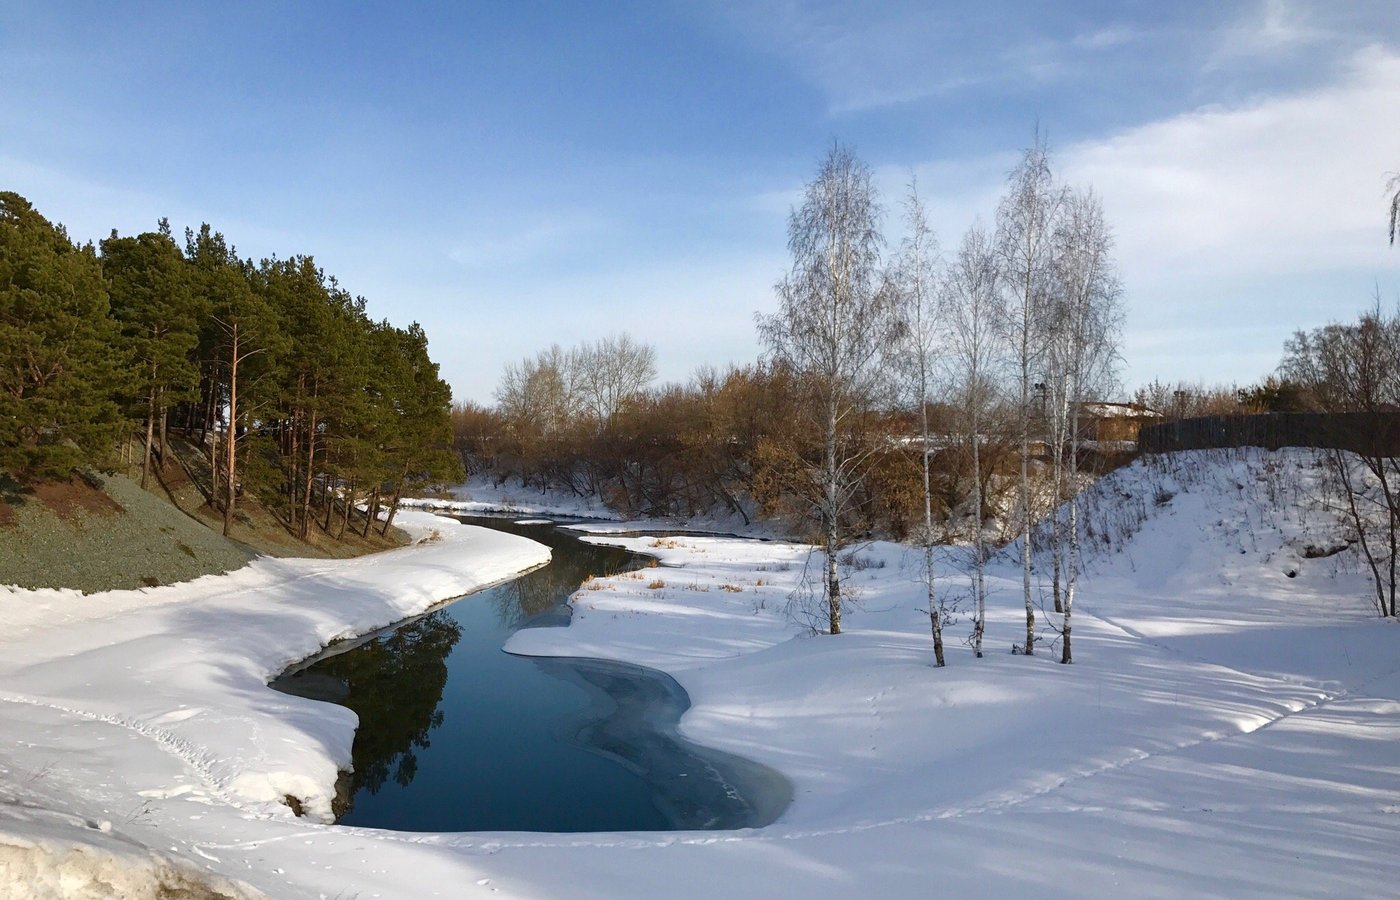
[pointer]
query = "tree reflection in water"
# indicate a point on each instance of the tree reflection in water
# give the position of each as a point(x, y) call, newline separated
point(545, 590)
point(528, 744)
point(394, 684)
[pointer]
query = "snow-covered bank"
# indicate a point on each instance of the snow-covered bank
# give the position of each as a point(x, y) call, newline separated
point(130, 699)
point(483, 496)
point(1226, 730)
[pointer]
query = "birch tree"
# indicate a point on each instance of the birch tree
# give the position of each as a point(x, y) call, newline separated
point(974, 309)
point(1392, 188)
point(916, 276)
point(611, 372)
point(832, 322)
point(1025, 223)
point(1086, 312)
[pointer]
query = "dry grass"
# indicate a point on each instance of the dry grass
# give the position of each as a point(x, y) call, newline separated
point(731, 588)
point(656, 584)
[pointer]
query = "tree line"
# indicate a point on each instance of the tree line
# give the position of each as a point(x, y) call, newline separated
point(272, 368)
point(903, 392)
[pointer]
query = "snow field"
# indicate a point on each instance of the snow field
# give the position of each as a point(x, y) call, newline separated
point(1226, 730)
point(152, 708)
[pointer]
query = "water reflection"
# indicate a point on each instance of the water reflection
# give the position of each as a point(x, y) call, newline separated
point(539, 597)
point(456, 735)
point(394, 683)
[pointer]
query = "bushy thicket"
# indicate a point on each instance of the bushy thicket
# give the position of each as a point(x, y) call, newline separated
point(726, 442)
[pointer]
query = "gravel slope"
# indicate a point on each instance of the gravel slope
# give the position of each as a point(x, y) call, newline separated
point(113, 537)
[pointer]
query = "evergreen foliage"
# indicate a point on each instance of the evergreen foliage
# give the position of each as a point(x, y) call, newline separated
point(278, 372)
point(61, 366)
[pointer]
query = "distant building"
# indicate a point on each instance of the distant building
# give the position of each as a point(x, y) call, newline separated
point(1114, 423)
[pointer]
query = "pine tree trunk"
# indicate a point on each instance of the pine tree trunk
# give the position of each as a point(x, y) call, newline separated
point(208, 424)
point(349, 500)
point(214, 469)
point(393, 507)
point(292, 452)
point(150, 436)
point(231, 473)
point(164, 430)
point(371, 512)
point(310, 476)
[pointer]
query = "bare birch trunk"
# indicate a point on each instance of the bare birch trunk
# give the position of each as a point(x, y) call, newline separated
point(1072, 569)
point(1057, 487)
point(979, 553)
point(1026, 485)
point(934, 614)
point(833, 579)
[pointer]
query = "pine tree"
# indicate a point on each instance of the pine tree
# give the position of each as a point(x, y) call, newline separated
point(421, 449)
point(58, 365)
point(242, 339)
point(156, 310)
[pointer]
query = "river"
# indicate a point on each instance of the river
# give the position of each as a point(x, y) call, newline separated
point(457, 735)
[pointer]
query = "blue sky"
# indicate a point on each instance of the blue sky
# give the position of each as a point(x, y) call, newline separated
point(516, 174)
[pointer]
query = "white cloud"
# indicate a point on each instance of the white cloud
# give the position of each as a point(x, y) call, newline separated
point(1237, 226)
point(1285, 185)
point(1107, 38)
point(550, 237)
point(875, 55)
point(1271, 29)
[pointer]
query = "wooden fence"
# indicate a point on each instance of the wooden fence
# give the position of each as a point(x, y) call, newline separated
point(1368, 433)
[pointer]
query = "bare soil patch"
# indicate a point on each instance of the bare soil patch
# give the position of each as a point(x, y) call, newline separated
point(71, 499)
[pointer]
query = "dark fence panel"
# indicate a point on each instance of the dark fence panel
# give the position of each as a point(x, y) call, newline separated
point(1375, 434)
